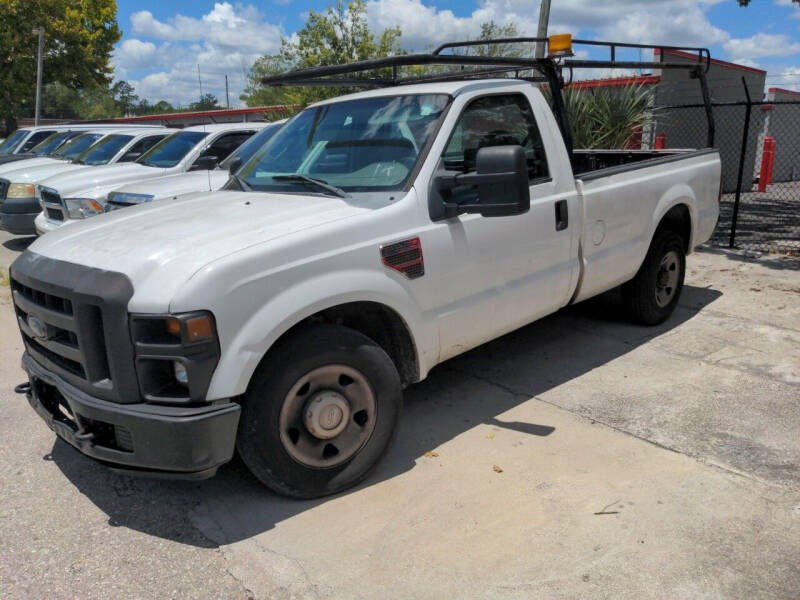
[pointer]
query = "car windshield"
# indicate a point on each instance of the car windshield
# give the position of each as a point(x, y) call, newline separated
point(49, 145)
point(251, 146)
point(76, 147)
point(104, 150)
point(355, 145)
point(8, 146)
point(171, 150)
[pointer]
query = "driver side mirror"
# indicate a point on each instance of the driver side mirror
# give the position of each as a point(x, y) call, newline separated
point(234, 165)
point(205, 163)
point(497, 188)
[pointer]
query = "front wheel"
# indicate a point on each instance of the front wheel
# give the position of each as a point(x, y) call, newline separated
point(320, 412)
point(653, 293)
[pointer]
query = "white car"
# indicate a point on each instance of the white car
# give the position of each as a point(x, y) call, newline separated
point(373, 237)
point(18, 202)
point(172, 186)
point(72, 197)
point(20, 144)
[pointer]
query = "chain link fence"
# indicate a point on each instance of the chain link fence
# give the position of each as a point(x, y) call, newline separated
point(759, 144)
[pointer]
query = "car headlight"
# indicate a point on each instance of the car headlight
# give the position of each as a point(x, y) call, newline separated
point(81, 208)
point(122, 199)
point(21, 190)
point(176, 355)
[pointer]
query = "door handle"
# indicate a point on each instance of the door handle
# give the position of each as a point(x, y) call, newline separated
point(562, 215)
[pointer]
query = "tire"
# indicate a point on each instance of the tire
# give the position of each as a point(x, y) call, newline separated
point(652, 295)
point(290, 409)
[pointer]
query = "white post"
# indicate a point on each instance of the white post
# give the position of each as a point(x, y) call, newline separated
point(544, 17)
point(40, 31)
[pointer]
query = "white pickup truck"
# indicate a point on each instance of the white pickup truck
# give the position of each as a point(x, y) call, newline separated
point(373, 237)
point(172, 186)
point(19, 205)
point(71, 197)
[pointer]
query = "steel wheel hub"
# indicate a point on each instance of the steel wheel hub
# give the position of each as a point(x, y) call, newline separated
point(327, 416)
point(667, 278)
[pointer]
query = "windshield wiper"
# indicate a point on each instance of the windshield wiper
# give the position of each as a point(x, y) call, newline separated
point(324, 185)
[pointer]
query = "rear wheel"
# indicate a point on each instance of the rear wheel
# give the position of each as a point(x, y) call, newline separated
point(320, 412)
point(653, 293)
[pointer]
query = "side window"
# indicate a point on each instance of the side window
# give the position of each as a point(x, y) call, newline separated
point(34, 139)
point(143, 145)
point(225, 144)
point(496, 121)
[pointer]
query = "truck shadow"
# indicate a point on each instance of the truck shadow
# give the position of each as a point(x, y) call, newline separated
point(472, 389)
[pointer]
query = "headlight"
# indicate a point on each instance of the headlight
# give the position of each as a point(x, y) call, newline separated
point(21, 190)
point(175, 355)
point(81, 208)
point(122, 199)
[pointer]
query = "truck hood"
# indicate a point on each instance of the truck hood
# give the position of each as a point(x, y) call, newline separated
point(176, 185)
point(94, 182)
point(161, 245)
point(36, 173)
point(25, 163)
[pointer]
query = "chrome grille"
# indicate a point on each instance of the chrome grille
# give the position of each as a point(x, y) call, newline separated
point(51, 200)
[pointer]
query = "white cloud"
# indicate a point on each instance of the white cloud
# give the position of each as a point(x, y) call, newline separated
point(226, 40)
point(134, 54)
point(759, 46)
point(675, 22)
point(796, 12)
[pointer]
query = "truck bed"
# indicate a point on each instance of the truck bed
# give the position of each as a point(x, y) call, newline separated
point(587, 162)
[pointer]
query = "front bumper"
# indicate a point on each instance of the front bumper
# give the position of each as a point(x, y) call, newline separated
point(18, 223)
point(173, 441)
point(44, 225)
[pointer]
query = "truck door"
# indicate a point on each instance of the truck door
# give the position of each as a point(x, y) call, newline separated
point(495, 274)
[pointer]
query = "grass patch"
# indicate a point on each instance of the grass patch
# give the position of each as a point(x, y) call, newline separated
point(5, 281)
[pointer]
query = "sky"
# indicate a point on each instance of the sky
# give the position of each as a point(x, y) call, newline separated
point(164, 41)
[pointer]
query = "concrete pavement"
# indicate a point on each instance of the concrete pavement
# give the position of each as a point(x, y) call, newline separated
point(577, 457)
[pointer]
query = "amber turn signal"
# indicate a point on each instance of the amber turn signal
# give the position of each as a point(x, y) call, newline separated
point(199, 328)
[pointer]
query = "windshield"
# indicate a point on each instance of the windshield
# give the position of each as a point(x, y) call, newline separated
point(356, 145)
point(77, 146)
point(49, 145)
point(104, 150)
point(171, 150)
point(8, 146)
point(251, 146)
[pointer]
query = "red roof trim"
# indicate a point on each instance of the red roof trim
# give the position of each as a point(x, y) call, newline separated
point(615, 81)
point(776, 90)
point(714, 61)
point(205, 114)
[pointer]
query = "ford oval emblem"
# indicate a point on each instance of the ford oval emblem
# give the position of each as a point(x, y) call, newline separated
point(38, 327)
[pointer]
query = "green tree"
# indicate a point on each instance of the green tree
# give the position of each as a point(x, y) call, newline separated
point(207, 102)
point(79, 38)
point(125, 96)
point(338, 35)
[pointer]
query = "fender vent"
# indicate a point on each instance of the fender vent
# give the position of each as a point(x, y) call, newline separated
point(405, 257)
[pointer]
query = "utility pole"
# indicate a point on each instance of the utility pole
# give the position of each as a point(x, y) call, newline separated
point(544, 17)
point(40, 32)
point(200, 81)
point(227, 99)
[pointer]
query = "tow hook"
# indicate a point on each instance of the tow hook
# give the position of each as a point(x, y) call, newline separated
point(23, 388)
